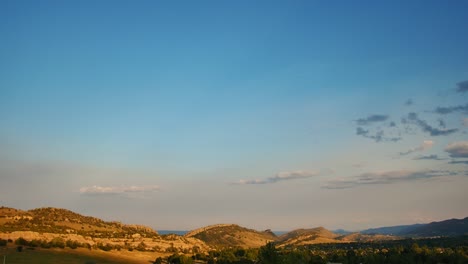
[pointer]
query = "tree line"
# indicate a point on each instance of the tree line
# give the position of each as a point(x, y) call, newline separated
point(432, 251)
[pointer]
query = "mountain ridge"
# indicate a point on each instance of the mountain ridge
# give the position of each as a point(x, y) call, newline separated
point(449, 227)
point(50, 223)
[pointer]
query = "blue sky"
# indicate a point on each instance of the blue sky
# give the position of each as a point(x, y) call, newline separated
point(269, 114)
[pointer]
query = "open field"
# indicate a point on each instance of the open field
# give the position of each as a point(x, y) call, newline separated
point(75, 256)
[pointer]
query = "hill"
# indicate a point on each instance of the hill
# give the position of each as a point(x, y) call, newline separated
point(358, 237)
point(59, 228)
point(321, 235)
point(300, 237)
point(56, 220)
point(230, 235)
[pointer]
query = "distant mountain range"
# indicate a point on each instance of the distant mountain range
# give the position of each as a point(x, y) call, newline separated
point(51, 223)
point(451, 227)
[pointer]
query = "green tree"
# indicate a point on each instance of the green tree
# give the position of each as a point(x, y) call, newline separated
point(268, 254)
point(21, 241)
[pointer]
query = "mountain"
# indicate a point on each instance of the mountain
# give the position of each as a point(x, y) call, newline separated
point(391, 230)
point(231, 235)
point(452, 227)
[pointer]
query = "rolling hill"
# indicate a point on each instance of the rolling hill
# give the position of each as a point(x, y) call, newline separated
point(301, 237)
point(51, 224)
point(231, 235)
point(56, 220)
point(321, 235)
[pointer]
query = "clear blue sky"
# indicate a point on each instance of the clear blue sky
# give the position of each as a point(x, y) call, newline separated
point(273, 114)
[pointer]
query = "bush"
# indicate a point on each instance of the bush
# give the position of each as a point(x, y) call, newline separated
point(72, 244)
point(21, 241)
point(106, 247)
point(57, 242)
point(3, 242)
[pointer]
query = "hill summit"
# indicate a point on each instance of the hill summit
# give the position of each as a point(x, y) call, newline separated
point(231, 235)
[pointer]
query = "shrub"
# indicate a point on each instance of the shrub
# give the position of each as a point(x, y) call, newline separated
point(21, 241)
point(3, 242)
point(57, 242)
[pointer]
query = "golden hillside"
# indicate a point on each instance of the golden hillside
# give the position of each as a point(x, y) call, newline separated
point(230, 235)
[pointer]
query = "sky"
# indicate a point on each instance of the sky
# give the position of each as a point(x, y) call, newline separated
point(268, 114)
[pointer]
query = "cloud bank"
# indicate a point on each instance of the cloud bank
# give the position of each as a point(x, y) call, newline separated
point(388, 177)
point(282, 176)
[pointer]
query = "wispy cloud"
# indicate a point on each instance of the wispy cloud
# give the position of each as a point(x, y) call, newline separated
point(371, 119)
point(427, 144)
point(429, 157)
point(378, 136)
point(409, 102)
point(462, 87)
point(412, 118)
point(458, 149)
point(115, 190)
point(465, 121)
point(282, 176)
point(451, 109)
point(388, 177)
point(441, 123)
point(459, 162)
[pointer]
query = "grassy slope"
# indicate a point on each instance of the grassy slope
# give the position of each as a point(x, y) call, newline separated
point(69, 256)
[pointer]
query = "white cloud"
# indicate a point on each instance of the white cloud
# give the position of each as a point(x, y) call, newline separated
point(109, 190)
point(458, 149)
point(281, 176)
point(427, 144)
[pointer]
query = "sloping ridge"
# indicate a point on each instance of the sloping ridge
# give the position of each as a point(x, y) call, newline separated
point(308, 236)
point(231, 235)
point(57, 220)
point(451, 227)
point(358, 237)
point(391, 230)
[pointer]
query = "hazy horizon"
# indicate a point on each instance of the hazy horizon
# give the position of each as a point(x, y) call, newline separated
point(273, 115)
